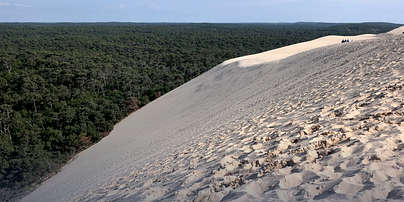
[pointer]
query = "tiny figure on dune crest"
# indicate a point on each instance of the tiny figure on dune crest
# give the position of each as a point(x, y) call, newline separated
point(345, 41)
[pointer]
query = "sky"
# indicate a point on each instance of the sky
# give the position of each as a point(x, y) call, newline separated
point(214, 11)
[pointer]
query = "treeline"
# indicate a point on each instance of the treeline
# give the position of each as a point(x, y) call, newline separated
point(64, 86)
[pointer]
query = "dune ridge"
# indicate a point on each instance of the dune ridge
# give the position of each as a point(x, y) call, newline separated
point(284, 52)
point(323, 124)
point(398, 31)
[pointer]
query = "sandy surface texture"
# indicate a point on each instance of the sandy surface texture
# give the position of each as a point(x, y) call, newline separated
point(324, 124)
point(284, 52)
point(398, 31)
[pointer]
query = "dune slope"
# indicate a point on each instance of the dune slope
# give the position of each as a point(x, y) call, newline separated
point(324, 123)
point(284, 52)
point(398, 31)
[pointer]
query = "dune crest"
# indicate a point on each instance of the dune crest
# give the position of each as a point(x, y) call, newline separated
point(287, 51)
point(398, 31)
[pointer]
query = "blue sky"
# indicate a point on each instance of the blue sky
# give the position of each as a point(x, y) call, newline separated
point(201, 11)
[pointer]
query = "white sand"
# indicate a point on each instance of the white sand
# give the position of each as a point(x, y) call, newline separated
point(325, 124)
point(398, 31)
point(284, 52)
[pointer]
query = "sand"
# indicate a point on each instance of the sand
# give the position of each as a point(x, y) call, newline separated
point(398, 31)
point(284, 52)
point(322, 124)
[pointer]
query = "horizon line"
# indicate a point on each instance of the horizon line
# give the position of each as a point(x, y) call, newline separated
point(183, 22)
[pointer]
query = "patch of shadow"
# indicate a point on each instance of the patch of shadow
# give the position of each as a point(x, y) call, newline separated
point(219, 77)
point(253, 68)
point(95, 199)
point(351, 142)
point(327, 195)
point(396, 194)
point(112, 198)
point(350, 173)
point(233, 196)
point(168, 197)
point(131, 198)
point(224, 72)
point(329, 192)
point(353, 94)
point(299, 196)
point(243, 156)
point(200, 87)
point(367, 186)
point(332, 151)
point(252, 177)
point(399, 147)
point(338, 169)
point(310, 176)
point(175, 183)
point(296, 170)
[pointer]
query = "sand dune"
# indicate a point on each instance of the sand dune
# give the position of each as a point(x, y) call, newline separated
point(284, 52)
point(323, 123)
point(398, 31)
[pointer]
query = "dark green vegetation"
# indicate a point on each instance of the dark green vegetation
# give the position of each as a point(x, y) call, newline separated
point(64, 86)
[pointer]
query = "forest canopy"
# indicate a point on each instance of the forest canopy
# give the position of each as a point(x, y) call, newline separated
point(64, 86)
